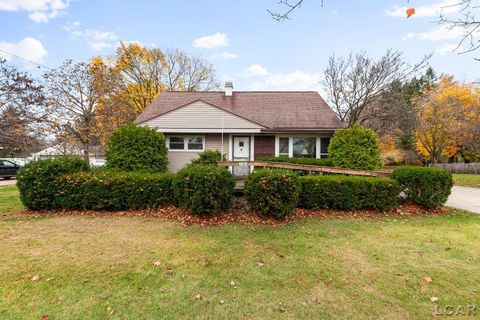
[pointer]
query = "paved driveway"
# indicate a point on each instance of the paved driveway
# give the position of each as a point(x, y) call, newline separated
point(10, 182)
point(465, 198)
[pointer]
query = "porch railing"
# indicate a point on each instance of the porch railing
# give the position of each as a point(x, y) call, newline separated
point(305, 167)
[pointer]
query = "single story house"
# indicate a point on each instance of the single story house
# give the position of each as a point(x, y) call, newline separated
point(244, 125)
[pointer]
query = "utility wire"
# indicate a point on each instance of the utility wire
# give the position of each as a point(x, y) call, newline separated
point(35, 63)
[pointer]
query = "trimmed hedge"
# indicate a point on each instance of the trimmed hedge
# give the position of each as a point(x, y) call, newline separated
point(325, 162)
point(272, 192)
point(348, 193)
point(107, 190)
point(355, 148)
point(36, 180)
point(137, 148)
point(204, 189)
point(428, 187)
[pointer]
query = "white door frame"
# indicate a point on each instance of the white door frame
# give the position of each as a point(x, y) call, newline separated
point(250, 148)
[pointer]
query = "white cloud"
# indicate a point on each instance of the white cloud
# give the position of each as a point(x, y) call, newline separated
point(211, 41)
point(255, 70)
point(71, 26)
point(436, 34)
point(97, 40)
point(40, 11)
point(28, 48)
point(224, 56)
point(99, 46)
point(432, 10)
point(297, 80)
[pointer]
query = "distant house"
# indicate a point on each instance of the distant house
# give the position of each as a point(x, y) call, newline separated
point(97, 154)
point(244, 125)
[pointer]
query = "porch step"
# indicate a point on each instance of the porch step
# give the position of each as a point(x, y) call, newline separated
point(239, 184)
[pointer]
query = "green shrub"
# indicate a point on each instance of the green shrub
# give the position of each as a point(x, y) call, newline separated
point(36, 180)
point(428, 187)
point(348, 193)
point(324, 162)
point(203, 189)
point(107, 190)
point(355, 148)
point(272, 192)
point(208, 157)
point(140, 149)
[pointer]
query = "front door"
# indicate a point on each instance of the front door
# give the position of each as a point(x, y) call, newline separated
point(241, 152)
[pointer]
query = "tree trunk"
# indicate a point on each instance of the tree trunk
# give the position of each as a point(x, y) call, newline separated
point(86, 153)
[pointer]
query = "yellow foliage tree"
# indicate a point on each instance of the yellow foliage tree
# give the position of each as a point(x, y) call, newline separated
point(445, 113)
point(140, 75)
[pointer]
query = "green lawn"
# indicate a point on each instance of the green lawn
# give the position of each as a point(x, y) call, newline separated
point(104, 267)
point(466, 180)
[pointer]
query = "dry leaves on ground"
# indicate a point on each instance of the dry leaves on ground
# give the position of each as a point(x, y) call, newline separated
point(240, 213)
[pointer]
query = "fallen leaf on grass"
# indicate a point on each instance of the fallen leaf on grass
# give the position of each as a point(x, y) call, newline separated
point(168, 271)
point(261, 263)
point(433, 299)
point(157, 263)
point(206, 262)
point(36, 277)
point(45, 317)
point(50, 279)
point(110, 310)
point(232, 283)
point(198, 297)
point(428, 279)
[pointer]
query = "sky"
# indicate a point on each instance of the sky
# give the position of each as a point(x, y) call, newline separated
point(239, 37)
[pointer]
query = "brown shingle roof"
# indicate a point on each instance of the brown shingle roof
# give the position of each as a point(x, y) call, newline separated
point(271, 109)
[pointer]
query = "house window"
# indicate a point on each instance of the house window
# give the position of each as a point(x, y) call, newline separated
point(186, 143)
point(283, 147)
point(304, 147)
point(195, 143)
point(324, 143)
point(177, 143)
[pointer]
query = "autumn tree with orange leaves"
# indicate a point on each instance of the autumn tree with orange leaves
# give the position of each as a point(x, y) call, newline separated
point(448, 119)
point(141, 74)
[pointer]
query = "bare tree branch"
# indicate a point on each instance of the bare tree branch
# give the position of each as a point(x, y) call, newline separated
point(468, 20)
point(291, 6)
point(357, 81)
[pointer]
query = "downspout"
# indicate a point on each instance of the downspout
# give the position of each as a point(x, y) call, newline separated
point(221, 157)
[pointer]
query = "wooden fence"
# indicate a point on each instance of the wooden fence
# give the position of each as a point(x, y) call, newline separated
point(304, 167)
point(473, 167)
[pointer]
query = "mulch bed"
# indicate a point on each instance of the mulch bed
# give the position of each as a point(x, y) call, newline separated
point(240, 213)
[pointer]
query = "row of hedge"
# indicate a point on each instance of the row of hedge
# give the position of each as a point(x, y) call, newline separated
point(106, 190)
point(279, 192)
point(68, 183)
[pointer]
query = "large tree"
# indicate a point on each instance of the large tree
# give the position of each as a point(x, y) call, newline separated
point(21, 113)
point(140, 75)
point(146, 72)
point(448, 119)
point(357, 82)
point(74, 94)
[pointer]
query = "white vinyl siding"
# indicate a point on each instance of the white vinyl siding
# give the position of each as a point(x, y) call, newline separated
point(199, 115)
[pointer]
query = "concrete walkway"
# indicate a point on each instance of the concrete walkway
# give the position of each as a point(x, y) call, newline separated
point(10, 182)
point(465, 198)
